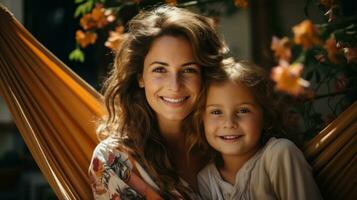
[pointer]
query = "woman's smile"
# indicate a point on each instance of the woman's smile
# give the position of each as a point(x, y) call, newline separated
point(171, 78)
point(174, 101)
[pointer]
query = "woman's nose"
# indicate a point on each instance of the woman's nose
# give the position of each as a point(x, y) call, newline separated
point(175, 82)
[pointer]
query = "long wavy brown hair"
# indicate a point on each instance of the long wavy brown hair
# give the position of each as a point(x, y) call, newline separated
point(130, 117)
point(257, 80)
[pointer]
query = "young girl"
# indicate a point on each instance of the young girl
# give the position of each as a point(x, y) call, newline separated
point(240, 119)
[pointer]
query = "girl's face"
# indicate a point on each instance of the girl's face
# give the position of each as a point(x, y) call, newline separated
point(233, 120)
point(171, 78)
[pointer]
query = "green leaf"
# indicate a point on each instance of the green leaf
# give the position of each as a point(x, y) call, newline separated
point(79, 11)
point(77, 55)
point(78, 1)
point(84, 8)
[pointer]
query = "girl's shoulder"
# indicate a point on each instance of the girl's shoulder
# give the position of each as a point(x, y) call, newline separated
point(279, 151)
point(280, 146)
point(209, 169)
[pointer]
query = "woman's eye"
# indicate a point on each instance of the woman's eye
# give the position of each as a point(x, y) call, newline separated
point(159, 70)
point(190, 70)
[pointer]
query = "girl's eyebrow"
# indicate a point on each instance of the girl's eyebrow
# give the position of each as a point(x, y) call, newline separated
point(240, 104)
point(253, 104)
point(213, 105)
point(166, 64)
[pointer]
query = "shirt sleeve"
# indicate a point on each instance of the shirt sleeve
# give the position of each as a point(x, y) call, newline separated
point(108, 173)
point(290, 174)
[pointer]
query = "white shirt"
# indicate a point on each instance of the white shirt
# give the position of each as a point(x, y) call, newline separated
point(277, 171)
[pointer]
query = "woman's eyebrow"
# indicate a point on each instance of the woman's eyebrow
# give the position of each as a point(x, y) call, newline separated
point(166, 64)
point(158, 62)
point(189, 63)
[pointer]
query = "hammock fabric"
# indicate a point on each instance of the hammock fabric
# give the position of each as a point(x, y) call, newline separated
point(55, 112)
point(52, 107)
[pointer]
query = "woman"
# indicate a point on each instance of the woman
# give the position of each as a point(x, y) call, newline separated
point(152, 89)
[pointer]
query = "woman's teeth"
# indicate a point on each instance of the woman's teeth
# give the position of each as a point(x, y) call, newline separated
point(172, 100)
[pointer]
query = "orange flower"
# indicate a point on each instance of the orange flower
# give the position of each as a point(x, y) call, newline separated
point(85, 38)
point(332, 49)
point(305, 34)
point(171, 2)
point(87, 22)
point(98, 18)
point(281, 48)
point(115, 38)
point(241, 3)
point(288, 78)
point(98, 15)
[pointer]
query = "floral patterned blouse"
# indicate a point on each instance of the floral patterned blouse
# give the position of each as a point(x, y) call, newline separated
point(115, 175)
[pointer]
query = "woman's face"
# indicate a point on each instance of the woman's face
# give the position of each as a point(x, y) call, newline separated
point(171, 78)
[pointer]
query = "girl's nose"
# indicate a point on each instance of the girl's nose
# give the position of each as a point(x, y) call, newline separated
point(230, 122)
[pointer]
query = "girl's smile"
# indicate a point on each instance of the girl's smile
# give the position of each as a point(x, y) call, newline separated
point(233, 120)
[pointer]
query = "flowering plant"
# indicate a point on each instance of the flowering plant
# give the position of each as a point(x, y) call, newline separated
point(318, 64)
point(99, 14)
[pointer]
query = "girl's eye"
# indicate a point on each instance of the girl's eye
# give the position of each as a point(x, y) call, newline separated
point(159, 70)
point(244, 110)
point(215, 112)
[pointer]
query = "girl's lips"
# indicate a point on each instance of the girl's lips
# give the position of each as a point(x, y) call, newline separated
point(230, 137)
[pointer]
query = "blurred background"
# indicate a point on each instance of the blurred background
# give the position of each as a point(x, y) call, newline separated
point(247, 31)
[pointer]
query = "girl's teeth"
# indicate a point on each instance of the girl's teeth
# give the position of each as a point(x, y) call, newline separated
point(230, 137)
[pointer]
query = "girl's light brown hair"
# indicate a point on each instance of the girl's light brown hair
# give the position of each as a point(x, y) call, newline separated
point(130, 118)
point(257, 80)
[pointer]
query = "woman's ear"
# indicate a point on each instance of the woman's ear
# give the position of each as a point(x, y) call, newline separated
point(141, 81)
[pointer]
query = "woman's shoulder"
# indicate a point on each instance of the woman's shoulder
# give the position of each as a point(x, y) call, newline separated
point(110, 169)
point(110, 145)
point(111, 153)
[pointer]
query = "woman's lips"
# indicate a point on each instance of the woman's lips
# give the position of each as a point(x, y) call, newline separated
point(175, 101)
